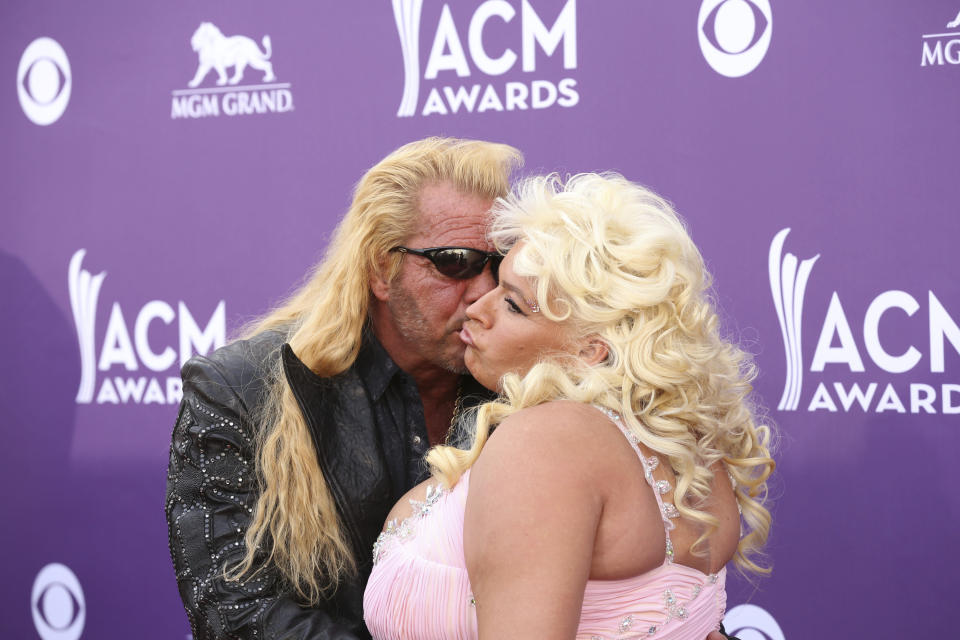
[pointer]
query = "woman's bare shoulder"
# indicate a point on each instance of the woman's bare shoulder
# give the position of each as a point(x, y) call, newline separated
point(554, 438)
point(557, 418)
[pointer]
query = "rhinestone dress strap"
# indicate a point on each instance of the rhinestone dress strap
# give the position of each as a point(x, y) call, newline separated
point(660, 487)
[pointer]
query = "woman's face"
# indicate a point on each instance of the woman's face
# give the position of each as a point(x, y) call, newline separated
point(505, 333)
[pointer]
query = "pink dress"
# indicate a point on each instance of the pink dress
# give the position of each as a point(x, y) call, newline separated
point(419, 588)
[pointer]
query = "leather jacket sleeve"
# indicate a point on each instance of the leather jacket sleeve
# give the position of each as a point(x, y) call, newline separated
point(211, 492)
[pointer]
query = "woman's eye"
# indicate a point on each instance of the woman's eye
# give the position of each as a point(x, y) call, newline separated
point(514, 307)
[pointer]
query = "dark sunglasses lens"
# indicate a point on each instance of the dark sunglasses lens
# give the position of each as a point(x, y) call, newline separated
point(459, 263)
point(495, 267)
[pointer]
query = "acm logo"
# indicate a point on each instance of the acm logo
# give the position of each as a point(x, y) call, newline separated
point(448, 60)
point(838, 350)
point(119, 350)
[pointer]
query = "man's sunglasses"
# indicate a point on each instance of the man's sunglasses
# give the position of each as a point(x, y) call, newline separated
point(460, 263)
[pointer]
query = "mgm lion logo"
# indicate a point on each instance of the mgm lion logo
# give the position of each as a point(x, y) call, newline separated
point(954, 23)
point(217, 51)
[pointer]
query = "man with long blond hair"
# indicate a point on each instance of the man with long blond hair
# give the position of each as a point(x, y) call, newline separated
point(293, 443)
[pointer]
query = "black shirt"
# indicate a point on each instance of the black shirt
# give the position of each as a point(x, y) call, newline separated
point(398, 414)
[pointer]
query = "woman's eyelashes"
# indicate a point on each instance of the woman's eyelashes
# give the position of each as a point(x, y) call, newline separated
point(513, 306)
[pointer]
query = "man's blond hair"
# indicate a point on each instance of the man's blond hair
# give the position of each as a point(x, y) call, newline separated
point(295, 524)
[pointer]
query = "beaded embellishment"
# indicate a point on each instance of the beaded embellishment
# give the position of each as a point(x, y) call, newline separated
point(660, 487)
point(674, 609)
point(400, 530)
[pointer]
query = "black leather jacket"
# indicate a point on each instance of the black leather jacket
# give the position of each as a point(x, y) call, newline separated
point(211, 491)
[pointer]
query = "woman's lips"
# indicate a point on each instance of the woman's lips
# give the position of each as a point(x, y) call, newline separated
point(466, 337)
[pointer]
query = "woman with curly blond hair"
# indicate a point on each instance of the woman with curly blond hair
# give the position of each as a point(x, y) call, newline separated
point(626, 468)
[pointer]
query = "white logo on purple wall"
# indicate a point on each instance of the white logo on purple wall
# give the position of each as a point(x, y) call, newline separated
point(44, 81)
point(84, 292)
point(734, 35)
point(788, 284)
point(57, 604)
point(839, 355)
point(217, 54)
point(941, 48)
point(407, 15)
point(750, 622)
point(447, 54)
point(141, 352)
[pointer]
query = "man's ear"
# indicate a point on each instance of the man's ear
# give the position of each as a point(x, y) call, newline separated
point(594, 350)
point(379, 285)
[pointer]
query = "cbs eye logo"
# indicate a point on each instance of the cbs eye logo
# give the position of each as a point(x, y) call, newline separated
point(57, 603)
point(750, 622)
point(44, 81)
point(734, 35)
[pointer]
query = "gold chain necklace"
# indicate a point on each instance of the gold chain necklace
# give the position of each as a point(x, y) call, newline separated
point(457, 409)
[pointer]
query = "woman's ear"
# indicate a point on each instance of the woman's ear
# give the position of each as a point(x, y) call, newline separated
point(594, 350)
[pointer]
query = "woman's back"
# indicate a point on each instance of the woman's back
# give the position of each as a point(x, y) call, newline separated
point(558, 513)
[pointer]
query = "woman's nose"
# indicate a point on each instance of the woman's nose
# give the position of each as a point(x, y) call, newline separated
point(480, 285)
point(478, 311)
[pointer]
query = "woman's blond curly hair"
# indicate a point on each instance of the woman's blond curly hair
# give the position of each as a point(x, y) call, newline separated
point(295, 526)
point(614, 260)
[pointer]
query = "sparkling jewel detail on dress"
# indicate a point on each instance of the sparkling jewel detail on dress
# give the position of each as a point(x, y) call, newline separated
point(670, 511)
point(675, 610)
point(399, 530)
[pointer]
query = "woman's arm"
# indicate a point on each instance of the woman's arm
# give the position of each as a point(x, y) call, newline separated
point(535, 502)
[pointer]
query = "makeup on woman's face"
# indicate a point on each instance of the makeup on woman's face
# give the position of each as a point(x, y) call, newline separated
point(505, 331)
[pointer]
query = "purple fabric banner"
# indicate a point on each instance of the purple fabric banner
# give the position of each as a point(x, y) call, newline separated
point(154, 200)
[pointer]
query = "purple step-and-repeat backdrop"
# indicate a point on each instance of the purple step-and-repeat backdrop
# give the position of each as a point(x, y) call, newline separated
point(153, 202)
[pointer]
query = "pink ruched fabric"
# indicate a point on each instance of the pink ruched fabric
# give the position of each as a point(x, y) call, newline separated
point(419, 588)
